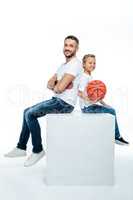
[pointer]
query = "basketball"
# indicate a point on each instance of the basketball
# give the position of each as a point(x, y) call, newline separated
point(96, 90)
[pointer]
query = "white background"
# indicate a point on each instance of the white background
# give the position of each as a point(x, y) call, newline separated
point(31, 42)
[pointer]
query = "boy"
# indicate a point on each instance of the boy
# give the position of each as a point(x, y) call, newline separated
point(87, 106)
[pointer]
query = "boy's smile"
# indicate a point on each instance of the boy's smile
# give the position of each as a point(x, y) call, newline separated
point(90, 64)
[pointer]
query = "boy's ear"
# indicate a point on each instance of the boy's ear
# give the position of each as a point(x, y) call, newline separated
point(83, 66)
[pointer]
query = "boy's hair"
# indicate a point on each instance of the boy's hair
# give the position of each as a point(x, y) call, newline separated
point(72, 37)
point(87, 56)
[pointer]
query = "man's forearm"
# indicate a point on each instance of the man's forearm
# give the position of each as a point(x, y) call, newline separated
point(56, 88)
point(52, 82)
point(51, 85)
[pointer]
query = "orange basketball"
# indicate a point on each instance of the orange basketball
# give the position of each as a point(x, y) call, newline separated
point(96, 90)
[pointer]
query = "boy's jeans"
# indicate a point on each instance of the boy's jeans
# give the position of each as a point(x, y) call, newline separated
point(31, 124)
point(102, 109)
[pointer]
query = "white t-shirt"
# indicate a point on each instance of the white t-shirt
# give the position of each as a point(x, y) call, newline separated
point(73, 67)
point(84, 80)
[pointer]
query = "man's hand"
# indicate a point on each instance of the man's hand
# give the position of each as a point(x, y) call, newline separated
point(56, 87)
point(56, 90)
point(64, 83)
point(52, 82)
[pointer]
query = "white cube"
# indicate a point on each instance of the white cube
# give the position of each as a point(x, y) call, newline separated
point(80, 149)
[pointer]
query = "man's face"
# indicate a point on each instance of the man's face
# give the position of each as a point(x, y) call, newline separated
point(70, 48)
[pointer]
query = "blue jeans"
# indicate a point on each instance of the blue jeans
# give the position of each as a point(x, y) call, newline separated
point(102, 109)
point(31, 124)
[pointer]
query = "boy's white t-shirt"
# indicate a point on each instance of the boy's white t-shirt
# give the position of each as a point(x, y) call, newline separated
point(73, 67)
point(84, 80)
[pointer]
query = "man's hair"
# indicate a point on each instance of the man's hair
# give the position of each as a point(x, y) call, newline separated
point(72, 37)
point(87, 56)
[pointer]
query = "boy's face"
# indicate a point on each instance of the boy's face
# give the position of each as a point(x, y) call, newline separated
point(70, 48)
point(90, 64)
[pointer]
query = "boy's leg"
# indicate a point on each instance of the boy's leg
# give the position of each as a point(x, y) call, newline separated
point(112, 112)
point(103, 109)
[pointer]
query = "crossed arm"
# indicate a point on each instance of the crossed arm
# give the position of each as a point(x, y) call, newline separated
point(58, 86)
point(52, 82)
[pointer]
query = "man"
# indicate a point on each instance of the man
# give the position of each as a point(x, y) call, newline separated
point(64, 84)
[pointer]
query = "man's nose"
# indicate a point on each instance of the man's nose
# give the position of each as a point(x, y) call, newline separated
point(67, 49)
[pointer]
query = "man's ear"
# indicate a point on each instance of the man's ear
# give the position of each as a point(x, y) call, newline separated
point(77, 47)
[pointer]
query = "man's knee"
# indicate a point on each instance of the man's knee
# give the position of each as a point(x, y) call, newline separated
point(28, 114)
point(26, 110)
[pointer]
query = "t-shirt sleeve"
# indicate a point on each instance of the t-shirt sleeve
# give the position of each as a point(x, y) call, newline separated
point(82, 84)
point(57, 70)
point(74, 69)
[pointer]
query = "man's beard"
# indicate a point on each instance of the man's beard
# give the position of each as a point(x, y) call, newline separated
point(70, 55)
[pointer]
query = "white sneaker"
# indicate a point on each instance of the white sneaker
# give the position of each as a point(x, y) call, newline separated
point(16, 152)
point(34, 158)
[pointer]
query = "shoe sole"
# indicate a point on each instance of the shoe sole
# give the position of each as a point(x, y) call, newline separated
point(121, 143)
point(7, 156)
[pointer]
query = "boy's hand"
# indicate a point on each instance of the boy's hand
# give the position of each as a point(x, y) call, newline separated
point(86, 98)
point(94, 101)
